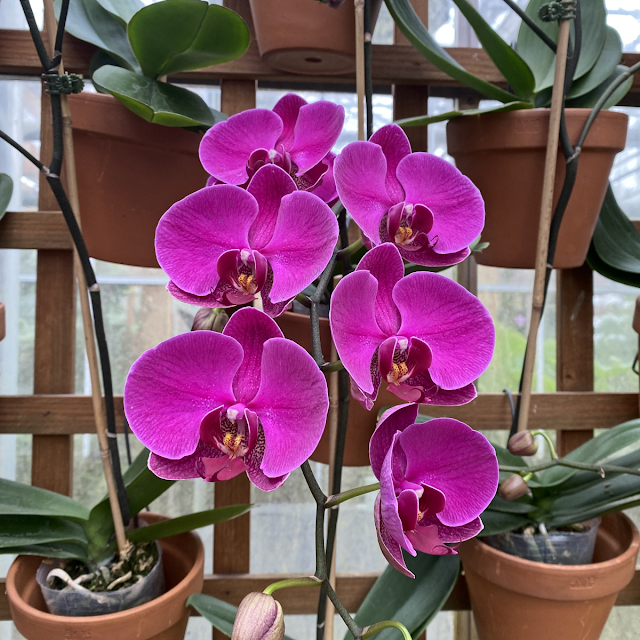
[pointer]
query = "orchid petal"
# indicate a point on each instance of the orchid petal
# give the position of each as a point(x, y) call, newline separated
point(428, 257)
point(195, 231)
point(268, 186)
point(395, 146)
point(456, 535)
point(251, 329)
point(360, 174)
point(316, 130)
point(288, 108)
point(227, 146)
point(302, 244)
point(452, 321)
point(392, 420)
point(223, 468)
point(211, 300)
point(450, 456)
point(456, 203)
point(183, 468)
point(326, 190)
point(391, 550)
point(432, 501)
point(385, 265)
point(353, 326)
point(171, 387)
point(292, 404)
point(408, 509)
point(427, 539)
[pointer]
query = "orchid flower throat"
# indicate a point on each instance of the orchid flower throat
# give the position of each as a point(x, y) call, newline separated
point(245, 270)
point(282, 158)
point(407, 226)
point(400, 359)
point(234, 431)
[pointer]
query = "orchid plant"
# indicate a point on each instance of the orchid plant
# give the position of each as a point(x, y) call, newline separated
point(248, 400)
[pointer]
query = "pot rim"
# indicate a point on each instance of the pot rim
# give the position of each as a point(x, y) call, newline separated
point(16, 600)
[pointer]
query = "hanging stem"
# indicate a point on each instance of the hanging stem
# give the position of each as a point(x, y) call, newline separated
point(339, 498)
point(600, 469)
point(546, 209)
point(293, 582)
point(369, 631)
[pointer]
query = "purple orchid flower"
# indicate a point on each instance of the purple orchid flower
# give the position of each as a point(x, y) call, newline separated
point(216, 404)
point(427, 336)
point(436, 478)
point(222, 245)
point(295, 136)
point(417, 201)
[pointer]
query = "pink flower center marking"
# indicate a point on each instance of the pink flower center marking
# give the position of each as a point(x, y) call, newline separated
point(408, 226)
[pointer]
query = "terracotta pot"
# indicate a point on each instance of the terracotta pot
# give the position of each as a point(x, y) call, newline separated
point(164, 618)
point(129, 173)
point(306, 36)
point(516, 598)
point(362, 423)
point(503, 154)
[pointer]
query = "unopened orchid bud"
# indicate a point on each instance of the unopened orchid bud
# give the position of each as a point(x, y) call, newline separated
point(512, 488)
point(259, 617)
point(522, 444)
point(210, 320)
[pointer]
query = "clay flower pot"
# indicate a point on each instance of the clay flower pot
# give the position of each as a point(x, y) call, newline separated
point(164, 618)
point(516, 598)
point(129, 173)
point(503, 154)
point(306, 36)
point(362, 423)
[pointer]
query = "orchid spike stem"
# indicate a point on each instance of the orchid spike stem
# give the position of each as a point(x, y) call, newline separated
point(328, 367)
point(303, 300)
point(311, 581)
point(351, 249)
point(552, 449)
point(339, 498)
point(560, 462)
point(369, 631)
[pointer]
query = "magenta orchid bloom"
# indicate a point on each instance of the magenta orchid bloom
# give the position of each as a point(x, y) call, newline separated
point(424, 334)
point(222, 245)
point(436, 478)
point(217, 404)
point(417, 201)
point(295, 136)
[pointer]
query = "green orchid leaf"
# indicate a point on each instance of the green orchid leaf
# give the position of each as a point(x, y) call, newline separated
point(219, 613)
point(24, 500)
point(411, 26)
point(541, 59)
point(122, 9)
point(175, 35)
point(51, 550)
point(19, 531)
point(602, 69)
point(154, 101)
point(595, 451)
point(589, 100)
point(509, 63)
point(522, 505)
point(88, 21)
point(174, 526)
point(421, 121)
point(500, 521)
point(6, 190)
point(413, 602)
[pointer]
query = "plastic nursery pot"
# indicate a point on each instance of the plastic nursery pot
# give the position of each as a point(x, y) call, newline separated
point(164, 618)
point(516, 598)
point(308, 37)
point(81, 603)
point(362, 423)
point(129, 173)
point(503, 154)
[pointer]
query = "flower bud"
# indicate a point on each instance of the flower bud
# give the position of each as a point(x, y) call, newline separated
point(522, 444)
point(259, 617)
point(513, 487)
point(210, 320)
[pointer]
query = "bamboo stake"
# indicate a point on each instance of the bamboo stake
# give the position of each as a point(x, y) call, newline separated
point(334, 409)
point(359, 8)
point(545, 219)
point(87, 322)
point(636, 328)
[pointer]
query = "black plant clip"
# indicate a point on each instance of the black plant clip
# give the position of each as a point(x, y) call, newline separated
point(557, 10)
point(55, 84)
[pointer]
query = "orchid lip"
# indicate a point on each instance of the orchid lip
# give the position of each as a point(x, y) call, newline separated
point(245, 270)
point(408, 226)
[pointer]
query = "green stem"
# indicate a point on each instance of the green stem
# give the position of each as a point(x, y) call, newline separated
point(559, 462)
point(328, 367)
point(339, 498)
point(303, 300)
point(552, 450)
point(367, 632)
point(351, 249)
point(293, 582)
